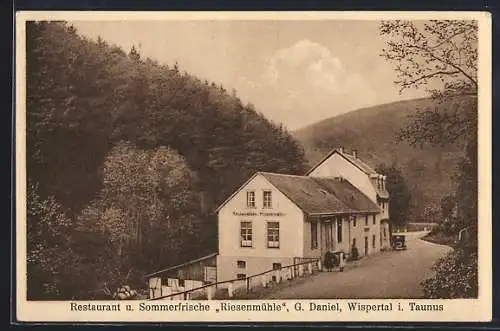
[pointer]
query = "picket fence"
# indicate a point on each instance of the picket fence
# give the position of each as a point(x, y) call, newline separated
point(195, 290)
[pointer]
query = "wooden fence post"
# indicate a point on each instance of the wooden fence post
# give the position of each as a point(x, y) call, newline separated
point(209, 291)
point(248, 284)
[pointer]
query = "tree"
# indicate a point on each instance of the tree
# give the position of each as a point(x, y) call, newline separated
point(48, 245)
point(65, 259)
point(185, 136)
point(448, 204)
point(441, 57)
point(399, 195)
point(147, 207)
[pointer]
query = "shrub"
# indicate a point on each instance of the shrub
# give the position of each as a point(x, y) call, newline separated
point(354, 253)
point(329, 260)
point(455, 276)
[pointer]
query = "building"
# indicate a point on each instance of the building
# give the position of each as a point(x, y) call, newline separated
point(338, 163)
point(274, 220)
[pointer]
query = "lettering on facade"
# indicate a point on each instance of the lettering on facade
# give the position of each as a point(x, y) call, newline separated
point(253, 213)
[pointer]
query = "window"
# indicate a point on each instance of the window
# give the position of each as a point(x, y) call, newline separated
point(373, 241)
point(366, 220)
point(276, 266)
point(353, 242)
point(246, 233)
point(383, 206)
point(241, 276)
point(314, 235)
point(250, 199)
point(353, 218)
point(267, 199)
point(374, 220)
point(385, 233)
point(339, 230)
point(241, 264)
point(273, 234)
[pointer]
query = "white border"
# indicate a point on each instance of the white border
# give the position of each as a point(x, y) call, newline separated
point(455, 310)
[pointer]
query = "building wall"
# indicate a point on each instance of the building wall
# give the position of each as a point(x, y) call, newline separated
point(346, 236)
point(308, 250)
point(193, 271)
point(227, 266)
point(259, 257)
point(338, 166)
point(361, 230)
point(349, 232)
point(384, 215)
point(384, 211)
point(386, 243)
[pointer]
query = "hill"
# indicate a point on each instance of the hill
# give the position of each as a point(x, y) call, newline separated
point(372, 131)
point(126, 159)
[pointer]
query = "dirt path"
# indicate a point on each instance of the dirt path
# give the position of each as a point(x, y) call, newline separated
point(394, 274)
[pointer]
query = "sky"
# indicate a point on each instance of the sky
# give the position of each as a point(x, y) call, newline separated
point(294, 72)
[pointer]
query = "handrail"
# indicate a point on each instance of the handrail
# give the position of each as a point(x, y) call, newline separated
point(175, 267)
point(184, 293)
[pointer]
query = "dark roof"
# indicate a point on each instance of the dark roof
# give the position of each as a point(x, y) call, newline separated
point(357, 163)
point(315, 195)
point(360, 164)
point(354, 160)
point(175, 267)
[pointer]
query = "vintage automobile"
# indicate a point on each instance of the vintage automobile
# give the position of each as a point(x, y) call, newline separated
point(398, 242)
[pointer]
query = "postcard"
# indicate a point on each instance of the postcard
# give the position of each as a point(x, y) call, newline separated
point(253, 166)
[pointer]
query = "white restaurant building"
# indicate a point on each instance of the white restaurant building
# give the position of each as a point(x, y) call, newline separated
point(275, 220)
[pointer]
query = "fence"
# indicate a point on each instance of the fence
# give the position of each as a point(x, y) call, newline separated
point(201, 269)
point(245, 285)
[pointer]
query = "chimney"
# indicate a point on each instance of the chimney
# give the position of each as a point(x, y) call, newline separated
point(355, 153)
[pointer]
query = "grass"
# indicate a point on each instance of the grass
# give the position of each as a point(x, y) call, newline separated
point(440, 238)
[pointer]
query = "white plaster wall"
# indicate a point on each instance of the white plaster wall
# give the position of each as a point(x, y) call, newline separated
point(227, 266)
point(291, 230)
point(308, 251)
point(338, 166)
point(361, 230)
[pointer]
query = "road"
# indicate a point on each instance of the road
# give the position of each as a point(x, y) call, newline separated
point(388, 275)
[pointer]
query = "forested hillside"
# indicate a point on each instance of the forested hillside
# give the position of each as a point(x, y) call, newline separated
point(127, 157)
point(374, 131)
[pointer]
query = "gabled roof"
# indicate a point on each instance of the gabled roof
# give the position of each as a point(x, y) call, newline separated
point(316, 195)
point(350, 158)
point(360, 164)
point(236, 192)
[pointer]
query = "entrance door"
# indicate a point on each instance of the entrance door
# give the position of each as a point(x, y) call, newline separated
point(366, 245)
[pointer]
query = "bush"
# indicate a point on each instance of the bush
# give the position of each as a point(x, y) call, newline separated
point(455, 276)
point(354, 254)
